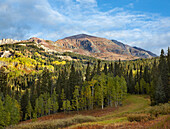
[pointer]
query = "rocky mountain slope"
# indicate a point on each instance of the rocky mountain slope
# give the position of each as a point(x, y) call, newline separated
point(92, 46)
point(135, 51)
point(102, 48)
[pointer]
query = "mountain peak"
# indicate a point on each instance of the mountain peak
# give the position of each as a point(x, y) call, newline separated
point(79, 36)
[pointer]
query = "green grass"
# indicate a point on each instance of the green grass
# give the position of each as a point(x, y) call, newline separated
point(131, 104)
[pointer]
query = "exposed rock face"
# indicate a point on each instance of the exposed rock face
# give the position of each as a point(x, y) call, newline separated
point(8, 41)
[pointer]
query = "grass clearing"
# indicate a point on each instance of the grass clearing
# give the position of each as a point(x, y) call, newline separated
point(55, 124)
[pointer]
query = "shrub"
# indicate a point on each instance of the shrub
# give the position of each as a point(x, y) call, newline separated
point(162, 109)
point(139, 117)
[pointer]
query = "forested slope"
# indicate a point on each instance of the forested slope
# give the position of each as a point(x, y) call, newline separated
point(36, 83)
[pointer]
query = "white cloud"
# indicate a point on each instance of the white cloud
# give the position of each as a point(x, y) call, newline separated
point(21, 19)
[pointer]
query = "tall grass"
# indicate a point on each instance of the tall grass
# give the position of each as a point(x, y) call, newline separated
point(55, 124)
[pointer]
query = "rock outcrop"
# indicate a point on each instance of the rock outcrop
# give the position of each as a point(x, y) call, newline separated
point(8, 41)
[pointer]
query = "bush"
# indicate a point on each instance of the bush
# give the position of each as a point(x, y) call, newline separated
point(139, 117)
point(162, 109)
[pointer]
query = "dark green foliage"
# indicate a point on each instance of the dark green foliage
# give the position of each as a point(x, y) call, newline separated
point(93, 72)
point(131, 82)
point(72, 81)
point(168, 59)
point(3, 81)
point(24, 103)
point(163, 68)
point(88, 72)
point(160, 96)
point(105, 69)
point(99, 67)
point(45, 83)
point(111, 68)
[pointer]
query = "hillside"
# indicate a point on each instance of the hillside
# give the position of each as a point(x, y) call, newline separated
point(87, 45)
point(135, 51)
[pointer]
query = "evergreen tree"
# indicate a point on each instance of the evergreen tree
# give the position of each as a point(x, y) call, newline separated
point(24, 103)
point(131, 82)
point(68, 105)
point(154, 77)
point(3, 80)
point(105, 69)
point(49, 106)
point(146, 74)
point(15, 112)
point(142, 86)
point(137, 88)
point(87, 75)
point(35, 113)
point(41, 105)
point(12, 111)
point(63, 100)
point(54, 99)
point(28, 111)
point(168, 59)
point(111, 68)
point(160, 96)
point(2, 120)
point(99, 67)
point(93, 72)
point(82, 99)
point(45, 84)
point(72, 82)
point(76, 98)
point(163, 68)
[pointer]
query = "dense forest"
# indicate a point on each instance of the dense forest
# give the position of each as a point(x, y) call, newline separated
point(34, 83)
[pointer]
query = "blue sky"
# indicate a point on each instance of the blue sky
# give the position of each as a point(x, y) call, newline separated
point(142, 23)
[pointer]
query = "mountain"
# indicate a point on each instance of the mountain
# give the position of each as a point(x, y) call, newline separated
point(88, 45)
point(101, 48)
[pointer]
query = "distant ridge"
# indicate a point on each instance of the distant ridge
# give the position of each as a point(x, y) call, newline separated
point(149, 52)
